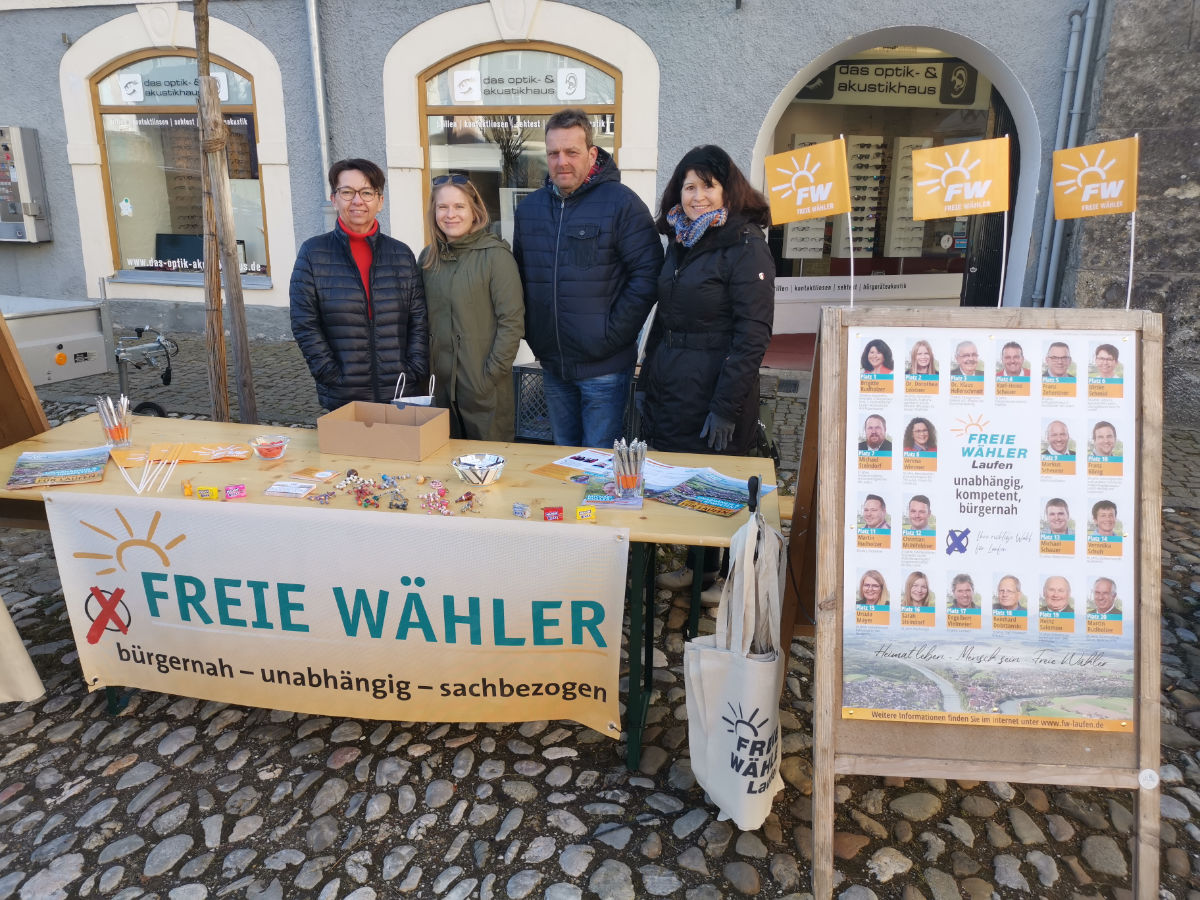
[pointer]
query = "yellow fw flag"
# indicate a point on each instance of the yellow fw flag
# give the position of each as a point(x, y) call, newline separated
point(960, 179)
point(1096, 180)
point(809, 183)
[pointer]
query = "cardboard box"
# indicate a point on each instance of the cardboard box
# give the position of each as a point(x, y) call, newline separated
point(381, 430)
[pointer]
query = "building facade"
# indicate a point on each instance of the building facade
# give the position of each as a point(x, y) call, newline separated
point(451, 86)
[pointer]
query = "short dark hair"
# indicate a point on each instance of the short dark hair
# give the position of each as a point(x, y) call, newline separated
point(883, 349)
point(573, 117)
point(370, 171)
point(870, 497)
point(1103, 504)
point(1110, 350)
point(919, 498)
point(711, 163)
point(962, 578)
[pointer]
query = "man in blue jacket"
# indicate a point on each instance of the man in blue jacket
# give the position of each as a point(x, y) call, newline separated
point(589, 258)
point(358, 299)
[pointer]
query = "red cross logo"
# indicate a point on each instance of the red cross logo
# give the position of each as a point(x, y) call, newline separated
point(110, 611)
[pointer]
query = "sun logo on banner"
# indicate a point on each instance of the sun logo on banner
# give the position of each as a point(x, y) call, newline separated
point(961, 183)
point(1098, 184)
point(794, 189)
point(129, 542)
point(1095, 180)
point(743, 722)
point(818, 192)
point(965, 180)
point(970, 425)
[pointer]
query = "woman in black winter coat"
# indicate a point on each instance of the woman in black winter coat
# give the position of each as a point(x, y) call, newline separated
point(716, 306)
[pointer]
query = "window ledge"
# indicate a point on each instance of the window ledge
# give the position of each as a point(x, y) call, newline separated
point(185, 279)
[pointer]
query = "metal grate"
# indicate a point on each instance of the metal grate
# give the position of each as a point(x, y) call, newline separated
point(533, 416)
point(533, 419)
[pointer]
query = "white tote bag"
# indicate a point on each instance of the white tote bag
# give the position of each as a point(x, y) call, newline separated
point(733, 679)
point(400, 401)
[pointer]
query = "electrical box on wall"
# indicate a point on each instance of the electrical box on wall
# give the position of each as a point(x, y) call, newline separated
point(24, 213)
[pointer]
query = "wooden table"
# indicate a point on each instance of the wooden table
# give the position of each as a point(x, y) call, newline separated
point(655, 523)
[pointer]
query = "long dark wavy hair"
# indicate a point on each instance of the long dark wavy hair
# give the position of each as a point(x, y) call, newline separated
point(711, 163)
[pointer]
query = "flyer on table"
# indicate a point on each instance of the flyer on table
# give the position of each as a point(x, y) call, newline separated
point(990, 541)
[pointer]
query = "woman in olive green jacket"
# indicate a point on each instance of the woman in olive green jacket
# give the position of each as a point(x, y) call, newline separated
point(476, 313)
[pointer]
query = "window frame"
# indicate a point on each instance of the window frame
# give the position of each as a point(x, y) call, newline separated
point(100, 110)
point(425, 110)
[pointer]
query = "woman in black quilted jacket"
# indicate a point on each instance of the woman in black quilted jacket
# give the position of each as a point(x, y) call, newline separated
point(357, 298)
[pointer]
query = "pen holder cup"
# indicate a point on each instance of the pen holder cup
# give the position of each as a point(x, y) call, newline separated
point(629, 486)
point(118, 432)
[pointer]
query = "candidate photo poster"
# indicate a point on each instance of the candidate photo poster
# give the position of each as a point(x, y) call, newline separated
point(990, 527)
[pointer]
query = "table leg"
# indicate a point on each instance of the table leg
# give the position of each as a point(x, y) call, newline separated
point(641, 650)
point(696, 561)
point(115, 701)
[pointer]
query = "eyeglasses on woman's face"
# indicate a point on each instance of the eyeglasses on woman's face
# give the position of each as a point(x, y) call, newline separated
point(347, 194)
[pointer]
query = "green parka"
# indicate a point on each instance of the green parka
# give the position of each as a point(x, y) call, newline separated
point(476, 320)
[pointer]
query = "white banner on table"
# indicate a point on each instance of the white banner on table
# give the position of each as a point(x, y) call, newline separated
point(369, 614)
point(990, 515)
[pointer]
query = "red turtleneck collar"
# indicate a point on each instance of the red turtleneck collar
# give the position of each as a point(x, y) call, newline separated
point(360, 249)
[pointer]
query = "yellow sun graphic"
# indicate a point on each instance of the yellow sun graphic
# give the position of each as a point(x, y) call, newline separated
point(961, 168)
point(130, 542)
point(798, 171)
point(1075, 182)
point(970, 424)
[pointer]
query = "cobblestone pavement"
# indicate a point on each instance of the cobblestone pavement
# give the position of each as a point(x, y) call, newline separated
point(284, 391)
point(179, 798)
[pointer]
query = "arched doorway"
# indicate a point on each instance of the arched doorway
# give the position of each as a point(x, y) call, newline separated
point(889, 93)
point(481, 28)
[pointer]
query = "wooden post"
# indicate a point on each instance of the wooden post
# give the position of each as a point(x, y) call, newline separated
point(214, 327)
point(212, 143)
point(1149, 677)
point(800, 587)
point(828, 608)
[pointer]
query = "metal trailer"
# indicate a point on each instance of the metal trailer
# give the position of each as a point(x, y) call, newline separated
point(60, 339)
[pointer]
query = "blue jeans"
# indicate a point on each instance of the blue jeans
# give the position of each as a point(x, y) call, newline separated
point(589, 412)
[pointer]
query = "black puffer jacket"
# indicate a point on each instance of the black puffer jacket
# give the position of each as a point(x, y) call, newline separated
point(587, 263)
point(356, 350)
point(716, 307)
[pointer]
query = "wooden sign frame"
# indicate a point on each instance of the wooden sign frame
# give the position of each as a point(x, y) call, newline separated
point(987, 753)
point(21, 415)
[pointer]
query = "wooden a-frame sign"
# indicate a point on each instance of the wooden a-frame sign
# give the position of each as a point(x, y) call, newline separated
point(1108, 759)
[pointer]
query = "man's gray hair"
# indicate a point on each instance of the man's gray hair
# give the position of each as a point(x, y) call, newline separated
point(573, 117)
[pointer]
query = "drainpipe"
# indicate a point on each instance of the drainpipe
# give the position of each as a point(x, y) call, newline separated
point(1089, 30)
point(1060, 134)
point(318, 73)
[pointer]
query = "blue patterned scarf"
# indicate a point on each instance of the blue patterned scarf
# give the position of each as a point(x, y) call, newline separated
point(687, 231)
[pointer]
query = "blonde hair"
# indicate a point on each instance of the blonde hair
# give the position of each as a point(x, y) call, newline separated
point(479, 215)
point(884, 597)
point(912, 359)
point(906, 597)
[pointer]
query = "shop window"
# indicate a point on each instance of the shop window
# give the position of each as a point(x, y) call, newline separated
point(151, 146)
point(486, 113)
point(887, 102)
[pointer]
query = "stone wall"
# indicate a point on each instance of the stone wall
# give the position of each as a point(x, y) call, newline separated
point(1147, 83)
